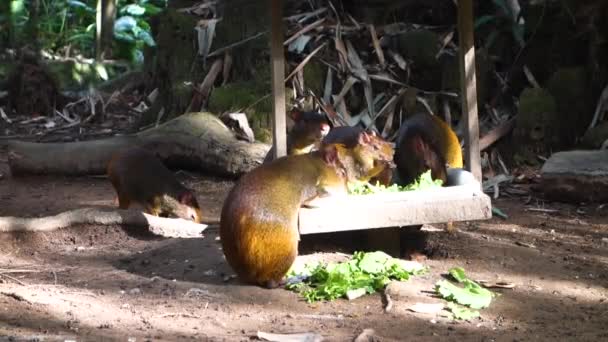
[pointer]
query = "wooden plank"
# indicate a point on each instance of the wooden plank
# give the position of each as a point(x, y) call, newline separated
point(468, 87)
point(277, 60)
point(455, 203)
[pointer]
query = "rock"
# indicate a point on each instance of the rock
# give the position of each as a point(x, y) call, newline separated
point(576, 176)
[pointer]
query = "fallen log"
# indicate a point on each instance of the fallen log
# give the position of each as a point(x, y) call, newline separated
point(167, 227)
point(194, 140)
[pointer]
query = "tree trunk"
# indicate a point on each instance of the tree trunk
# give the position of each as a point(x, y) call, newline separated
point(173, 67)
point(106, 14)
point(242, 19)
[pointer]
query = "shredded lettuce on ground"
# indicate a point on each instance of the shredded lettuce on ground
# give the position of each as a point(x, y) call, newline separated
point(364, 273)
point(465, 300)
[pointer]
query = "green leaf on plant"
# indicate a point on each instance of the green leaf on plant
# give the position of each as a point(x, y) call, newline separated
point(125, 24)
point(101, 71)
point(134, 9)
point(483, 20)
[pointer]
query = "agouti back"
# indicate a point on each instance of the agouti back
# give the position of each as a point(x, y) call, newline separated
point(306, 134)
point(138, 176)
point(348, 136)
point(259, 220)
point(426, 142)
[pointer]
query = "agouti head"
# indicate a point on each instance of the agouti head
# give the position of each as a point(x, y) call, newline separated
point(372, 155)
point(185, 206)
point(308, 130)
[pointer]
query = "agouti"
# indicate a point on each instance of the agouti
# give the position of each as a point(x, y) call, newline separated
point(348, 136)
point(426, 142)
point(139, 176)
point(259, 220)
point(306, 134)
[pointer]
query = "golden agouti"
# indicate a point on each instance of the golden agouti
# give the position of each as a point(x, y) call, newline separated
point(348, 136)
point(259, 220)
point(139, 176)
point(306, 134)
point(426, 142)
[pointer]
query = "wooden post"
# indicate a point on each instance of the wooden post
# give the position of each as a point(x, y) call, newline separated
point(277, 60)
point(468, 87)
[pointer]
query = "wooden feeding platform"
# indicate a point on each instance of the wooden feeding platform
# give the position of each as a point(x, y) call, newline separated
point(459, 202)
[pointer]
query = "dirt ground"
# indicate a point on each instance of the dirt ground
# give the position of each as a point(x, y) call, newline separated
point(109, 283)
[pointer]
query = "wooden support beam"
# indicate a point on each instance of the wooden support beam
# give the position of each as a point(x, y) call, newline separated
point(277, 60)
point(468, 87)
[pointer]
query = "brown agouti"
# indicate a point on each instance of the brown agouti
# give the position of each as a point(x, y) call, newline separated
point(348, 135)
point(426, 142)
point(139, 176)
point(306, 134)
point(259, 220)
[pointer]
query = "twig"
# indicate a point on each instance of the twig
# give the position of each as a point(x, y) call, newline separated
point(543, 210)
point(233, 45)
point(376, 43)
point(494, 135)
point(305, 61)
point(13, 279)
point(174, 314)
point(307, 28)
point(602, 105)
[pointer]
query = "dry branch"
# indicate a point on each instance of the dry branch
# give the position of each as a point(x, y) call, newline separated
point(167, 227)
point(495, 134)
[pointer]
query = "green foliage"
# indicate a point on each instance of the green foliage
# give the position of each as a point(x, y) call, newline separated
point(502, 22)
point(425, 181)
point(63, 23)
point(471, 295)
point(364, 273)
point(131, 29)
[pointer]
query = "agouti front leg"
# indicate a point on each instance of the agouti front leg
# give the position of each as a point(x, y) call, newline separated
point(123, 201)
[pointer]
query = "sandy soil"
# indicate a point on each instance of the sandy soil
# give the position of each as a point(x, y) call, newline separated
point(108, 282)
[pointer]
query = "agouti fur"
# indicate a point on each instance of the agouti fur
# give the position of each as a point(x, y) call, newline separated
point(306, 134)
point(138, 176)
point(426, 142)
point(259, 220)
point(348, 136)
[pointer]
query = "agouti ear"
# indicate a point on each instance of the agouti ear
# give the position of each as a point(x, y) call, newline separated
point(329, 153)
point(364, 138)
point(186, 198)
point(295, 114)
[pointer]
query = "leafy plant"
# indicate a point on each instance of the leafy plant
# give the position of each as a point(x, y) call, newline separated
point(502, 22)
point(364, 273)
point(72, 24)
point(131, 29)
